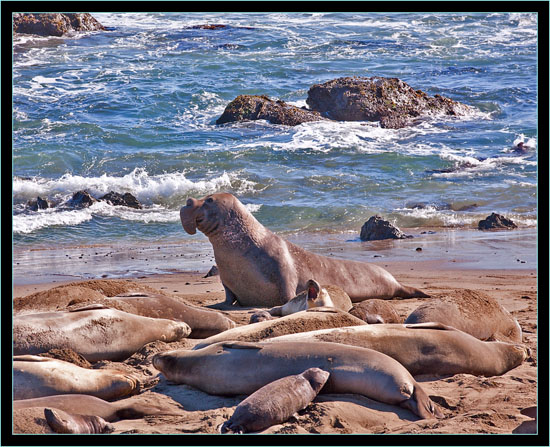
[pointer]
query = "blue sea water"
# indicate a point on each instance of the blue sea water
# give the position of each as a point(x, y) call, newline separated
point(133, 109)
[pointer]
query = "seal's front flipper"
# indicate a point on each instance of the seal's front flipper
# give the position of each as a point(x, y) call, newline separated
point(230, 297)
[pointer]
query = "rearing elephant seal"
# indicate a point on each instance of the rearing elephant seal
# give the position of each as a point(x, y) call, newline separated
point(257, 267)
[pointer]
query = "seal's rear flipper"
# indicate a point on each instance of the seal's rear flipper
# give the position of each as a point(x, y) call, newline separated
point(411, 292)
point(421, 404)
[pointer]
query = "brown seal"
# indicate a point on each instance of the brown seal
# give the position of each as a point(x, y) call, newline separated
point(230, 368)
point(314, 296)
point(62, 422)
point(471, 311)
point(203, 322)
point(375, 311)
point(427, 348)
point(259, 268)
point(35, 376)
point(93, 406)
point(306, 320)
point(275, 402)
point(96, 332)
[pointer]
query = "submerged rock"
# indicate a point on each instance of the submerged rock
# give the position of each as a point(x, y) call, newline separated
point(253, 107)
point(388, 100)
point(126, 199)
point(54, 24)
point(496, 222)
point(376, 229)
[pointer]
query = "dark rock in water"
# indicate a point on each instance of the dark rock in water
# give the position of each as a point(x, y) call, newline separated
point(252, 107)
point(376, 229)
point(126, 199)
point(520, 148)
point(81, 199)
point(54, 24)
point(495, 222)
point(388, 100)
point(208, 26)
point(212, 272)
point(38, 204)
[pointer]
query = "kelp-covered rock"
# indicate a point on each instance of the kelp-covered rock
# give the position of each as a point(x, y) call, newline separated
point(388, 100)
point(496, 222)
point(54, 24)
point(376, 229)
point(252, 107)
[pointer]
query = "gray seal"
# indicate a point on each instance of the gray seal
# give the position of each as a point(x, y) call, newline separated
point(230, 368)
point(275, 402)
point(259, 268)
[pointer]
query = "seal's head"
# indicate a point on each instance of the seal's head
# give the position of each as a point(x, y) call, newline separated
point(317, 296)
point(211, 213)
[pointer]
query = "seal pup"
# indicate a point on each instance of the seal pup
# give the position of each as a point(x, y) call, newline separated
point(35, 376)
point(96, 332)
point(471, 311)
point(203, 322)
point(261, 315)
point(230, 368)
point(375, 312)
point(275, 402)
point(303, 321)
point(426, 348)
point(259, 268)
point(62, 422)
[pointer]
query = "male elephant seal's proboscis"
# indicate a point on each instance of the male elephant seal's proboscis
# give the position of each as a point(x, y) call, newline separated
point(257, 267)
point(35, 376)
point(275, 402)
point(230, 368)
point(426, 348)
point(95, 332)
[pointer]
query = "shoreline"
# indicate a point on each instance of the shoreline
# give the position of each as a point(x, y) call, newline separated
point(442, 249)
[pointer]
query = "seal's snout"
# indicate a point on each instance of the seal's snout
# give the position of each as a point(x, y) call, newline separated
point(188, 215)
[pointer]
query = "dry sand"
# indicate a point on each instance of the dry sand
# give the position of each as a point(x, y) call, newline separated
point(470, 404)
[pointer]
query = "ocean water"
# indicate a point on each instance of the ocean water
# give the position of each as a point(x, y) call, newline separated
point(133, 109)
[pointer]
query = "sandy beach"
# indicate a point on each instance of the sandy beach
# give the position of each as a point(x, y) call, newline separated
point(471, 405)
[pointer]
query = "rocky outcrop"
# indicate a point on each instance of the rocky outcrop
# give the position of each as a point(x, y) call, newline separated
point(38, 204)
point(252, 107)
point(126, 199)
point(81, 199)
point(496, 222)
point(54, 24)
point(376, 229)
point(388, 100)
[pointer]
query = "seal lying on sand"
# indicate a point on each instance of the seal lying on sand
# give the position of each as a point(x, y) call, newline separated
point(230, 368)
point(275, 402)
point(427, 348)
point(375, 311)
point(96, 332)
point(93, 406)
point(259, 268)
point(306, 320)
point(35, 376)
point(62, 422)
point(473, 312)
point(314, 296)
point(203, 322)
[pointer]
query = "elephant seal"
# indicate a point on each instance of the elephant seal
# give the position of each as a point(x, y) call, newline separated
point(375, 311)
point(95, 332)
point(427, 348)
point(203, 323)
point(261, 315)
point(314, 296)
point(306, 320)
point(473, 312)
point(275, 402)
point(259, 268)
point(62, 422)
point(230, 368)
point(85, 404)
point(35, 376)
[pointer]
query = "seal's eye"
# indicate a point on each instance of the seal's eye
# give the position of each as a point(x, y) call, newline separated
point(209, 200)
